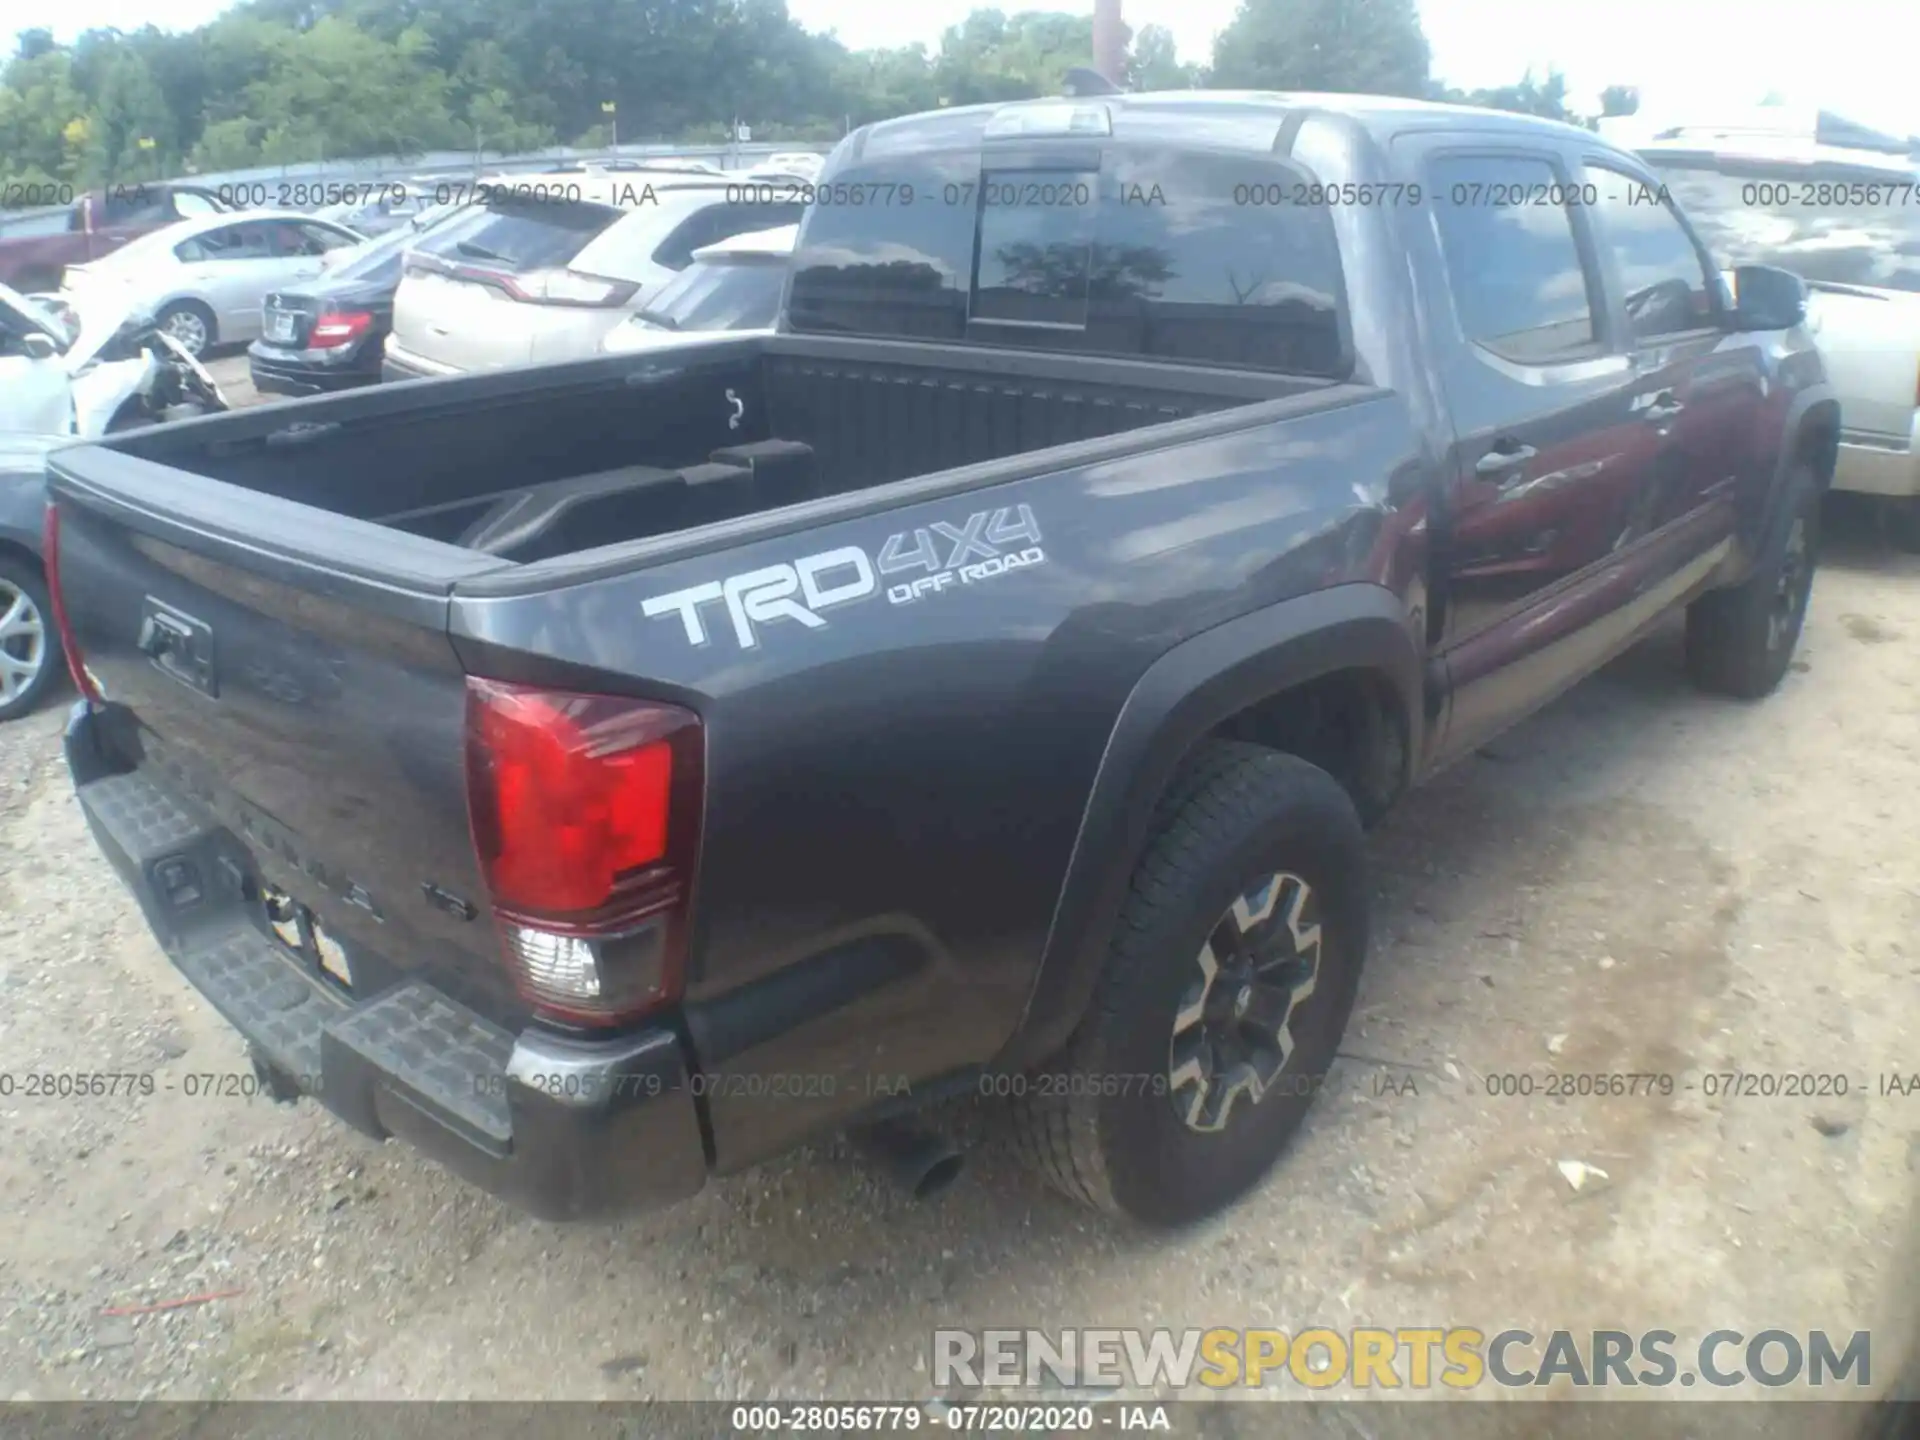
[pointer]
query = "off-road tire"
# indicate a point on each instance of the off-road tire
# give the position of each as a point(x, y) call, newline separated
point(1738, 642)
point(1098, 1123)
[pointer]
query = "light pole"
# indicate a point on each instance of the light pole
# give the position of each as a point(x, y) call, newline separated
point(1109, 41)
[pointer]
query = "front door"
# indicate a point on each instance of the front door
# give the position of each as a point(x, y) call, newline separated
point(1701, 390)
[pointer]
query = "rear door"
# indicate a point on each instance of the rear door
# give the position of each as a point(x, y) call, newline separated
point(231, 268)
point(1548, 459)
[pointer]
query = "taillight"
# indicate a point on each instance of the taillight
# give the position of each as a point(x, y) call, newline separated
point(50, 559)
point(337, 329)
point(586, 815)
point(554, 287)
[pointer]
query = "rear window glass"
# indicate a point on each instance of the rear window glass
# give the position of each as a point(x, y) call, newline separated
point(381, 258)
point(1838, 223)
point(719, 297)
point(531, 234)
point(1158, 254)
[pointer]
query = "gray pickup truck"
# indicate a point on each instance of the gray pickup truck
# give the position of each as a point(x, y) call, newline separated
point(609, 775)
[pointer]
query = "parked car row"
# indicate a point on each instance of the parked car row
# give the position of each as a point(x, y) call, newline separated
point(205, 279)
point(535, 279)
point(96, 225)
point(92, 370)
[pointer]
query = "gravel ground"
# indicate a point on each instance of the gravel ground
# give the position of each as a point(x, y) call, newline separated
point(1640, 879)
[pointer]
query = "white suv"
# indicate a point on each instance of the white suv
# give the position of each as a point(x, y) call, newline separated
point(1848, 222)
point(557, 263)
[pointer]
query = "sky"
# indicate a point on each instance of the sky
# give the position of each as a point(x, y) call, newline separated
point(1857, 57)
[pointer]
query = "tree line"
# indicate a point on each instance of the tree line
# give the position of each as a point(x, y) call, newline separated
point(284, 81)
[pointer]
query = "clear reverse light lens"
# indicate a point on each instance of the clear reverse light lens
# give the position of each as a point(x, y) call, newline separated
point(557, 966)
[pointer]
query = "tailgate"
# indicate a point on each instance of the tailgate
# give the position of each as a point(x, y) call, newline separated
point(287, 672)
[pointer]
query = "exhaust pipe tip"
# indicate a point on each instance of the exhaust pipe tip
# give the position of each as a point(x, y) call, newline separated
point(921, 1162)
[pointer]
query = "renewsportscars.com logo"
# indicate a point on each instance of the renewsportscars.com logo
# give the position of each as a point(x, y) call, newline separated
point(1409, 1358)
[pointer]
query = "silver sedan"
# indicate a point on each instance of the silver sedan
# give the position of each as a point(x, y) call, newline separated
point(205, 280)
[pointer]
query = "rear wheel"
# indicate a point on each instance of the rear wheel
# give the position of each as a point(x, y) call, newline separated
point(29, 649)
point(1739, 641)
point(1231, 976)
point(190, 323)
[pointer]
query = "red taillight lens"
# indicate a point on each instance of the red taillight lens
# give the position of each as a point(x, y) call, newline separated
point(586, 816)
point(337, 329)
point(50, 559)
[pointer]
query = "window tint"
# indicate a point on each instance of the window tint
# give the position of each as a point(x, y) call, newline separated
point(1513, 265)
point(1846, 224)
point(253, 241)
point(1666, 285)
point(1153, 253)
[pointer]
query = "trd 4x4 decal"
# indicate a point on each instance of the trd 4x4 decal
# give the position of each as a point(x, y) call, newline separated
point(944, 556)
point(983, 536)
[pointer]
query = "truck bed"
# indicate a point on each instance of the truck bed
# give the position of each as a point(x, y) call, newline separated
point(533, 464)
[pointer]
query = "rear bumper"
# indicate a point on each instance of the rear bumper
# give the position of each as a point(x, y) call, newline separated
point(1872, 464)
point(565, 1130)
point(398, 364)
point(279, 371)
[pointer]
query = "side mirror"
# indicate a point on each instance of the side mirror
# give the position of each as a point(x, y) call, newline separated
point(39, 345)
point(1767, 298)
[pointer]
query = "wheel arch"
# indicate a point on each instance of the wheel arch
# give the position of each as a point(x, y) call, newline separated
point(1809, 435)
point(1208, 686)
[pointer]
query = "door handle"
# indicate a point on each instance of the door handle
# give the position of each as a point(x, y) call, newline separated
point(1504, 459)
point(1663, 406)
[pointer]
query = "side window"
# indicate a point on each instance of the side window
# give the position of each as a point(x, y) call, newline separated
point(732, 220)
point(252, 241)
point(1666, 285)
point(309, 239)
point(676, 251)
point(191, 205)
point(1513, 264)
point(137, 205)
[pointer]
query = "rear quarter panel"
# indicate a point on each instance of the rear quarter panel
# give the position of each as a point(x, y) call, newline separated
point(894, 795)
